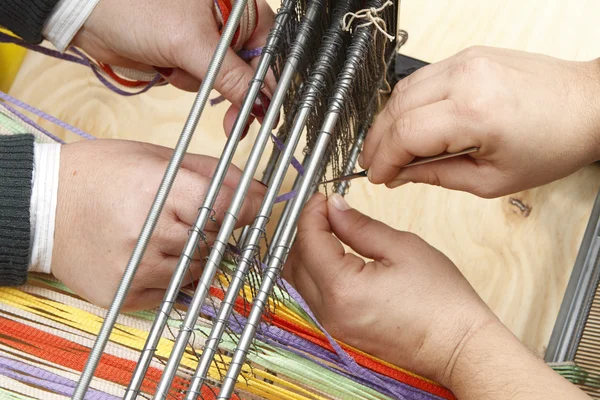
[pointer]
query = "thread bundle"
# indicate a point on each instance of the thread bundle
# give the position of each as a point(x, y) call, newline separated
point(46, 332)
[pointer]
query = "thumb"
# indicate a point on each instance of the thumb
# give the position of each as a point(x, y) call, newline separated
point(460, 173)
point(369, 237)
point(317, 255)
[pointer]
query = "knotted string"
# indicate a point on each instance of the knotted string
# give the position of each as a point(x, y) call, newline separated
point(372, 17)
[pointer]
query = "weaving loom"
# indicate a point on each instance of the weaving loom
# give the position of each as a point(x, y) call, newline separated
point(47, 332)
point(240, 331)
point(574, 348)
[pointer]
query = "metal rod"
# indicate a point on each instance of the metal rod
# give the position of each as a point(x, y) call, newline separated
point(246, 259)
point(277, 257)
point(161, 196)
point(286, 209)
point(314, 88)
point(272, 43)
point(214, 259)
point(279, 250)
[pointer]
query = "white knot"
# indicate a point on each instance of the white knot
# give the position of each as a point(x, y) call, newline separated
point(372, 17)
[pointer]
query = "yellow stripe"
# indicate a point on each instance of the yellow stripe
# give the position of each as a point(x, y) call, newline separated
point(249, 380)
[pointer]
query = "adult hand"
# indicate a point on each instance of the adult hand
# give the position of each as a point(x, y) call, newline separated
point(106, 188)
point(178, 37)
point(410, 306)
point(535, 119)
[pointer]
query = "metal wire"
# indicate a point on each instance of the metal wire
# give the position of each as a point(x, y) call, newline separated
point(271, 47)
point(316, 86)
point(161, 196)
point(279, 250)
point(295, 60)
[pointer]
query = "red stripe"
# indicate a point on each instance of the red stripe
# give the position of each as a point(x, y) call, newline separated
point(318, 338)
point(72, 355)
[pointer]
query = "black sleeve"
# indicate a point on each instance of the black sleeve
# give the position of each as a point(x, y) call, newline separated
point(26, 18)
point(16, 172)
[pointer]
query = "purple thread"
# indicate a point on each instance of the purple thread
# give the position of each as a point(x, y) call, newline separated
point(247, 55)
point(281, 147)
point(29, 121)
point(47, 117)
point(5, 38)
point(217, 100)
point(30, 374)
point(78, 58)
point(286, 196)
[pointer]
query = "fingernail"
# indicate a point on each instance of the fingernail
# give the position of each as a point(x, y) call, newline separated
point(261, 104)
point(339, 202)
point(397, 183)
point(166, 72)
point(360, 160)
point(247, 128)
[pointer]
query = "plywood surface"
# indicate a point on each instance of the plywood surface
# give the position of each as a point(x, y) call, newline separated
point(517, 251)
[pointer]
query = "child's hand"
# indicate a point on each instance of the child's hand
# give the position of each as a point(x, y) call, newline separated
point(106, 188)
point(410, 306)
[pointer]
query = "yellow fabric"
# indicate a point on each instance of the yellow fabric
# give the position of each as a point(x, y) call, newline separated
point(11, 58)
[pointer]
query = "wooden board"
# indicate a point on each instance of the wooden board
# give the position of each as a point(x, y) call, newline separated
point(518, 261)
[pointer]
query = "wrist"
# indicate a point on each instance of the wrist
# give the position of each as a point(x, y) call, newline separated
point(493, 364)
point(460, 345)
point(478, 344)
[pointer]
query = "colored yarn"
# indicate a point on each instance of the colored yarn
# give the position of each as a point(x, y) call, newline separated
point(48, 117)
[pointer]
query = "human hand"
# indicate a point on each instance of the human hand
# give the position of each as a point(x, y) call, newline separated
point(179, 38)
point(535, 119)
point(410, 306)
point(106, 188)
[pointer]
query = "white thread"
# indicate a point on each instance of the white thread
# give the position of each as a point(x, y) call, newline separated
point(373, 18)
point(247, 24)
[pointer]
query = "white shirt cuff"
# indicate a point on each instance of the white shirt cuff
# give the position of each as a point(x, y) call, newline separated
point(44, 196)
point(67, 17)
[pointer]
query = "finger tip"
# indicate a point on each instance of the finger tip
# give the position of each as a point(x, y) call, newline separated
point(338, 202)
point(396, 183)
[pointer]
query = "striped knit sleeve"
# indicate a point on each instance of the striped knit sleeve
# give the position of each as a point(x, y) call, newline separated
point(16, 172)
point(26, 18)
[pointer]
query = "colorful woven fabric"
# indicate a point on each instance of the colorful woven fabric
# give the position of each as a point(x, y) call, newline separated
point(46, 332)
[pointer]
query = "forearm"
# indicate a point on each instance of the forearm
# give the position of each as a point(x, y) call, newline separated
point(494, 365)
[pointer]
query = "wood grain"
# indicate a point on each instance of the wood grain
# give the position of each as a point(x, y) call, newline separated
point(517, 251)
